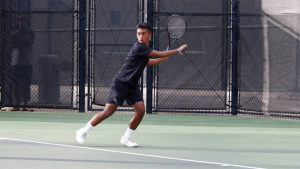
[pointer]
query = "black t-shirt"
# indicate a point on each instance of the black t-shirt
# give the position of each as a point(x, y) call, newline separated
point(134, 65)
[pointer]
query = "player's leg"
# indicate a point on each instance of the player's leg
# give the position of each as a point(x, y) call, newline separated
point(26, 80)
point(99, 117)
point(17, 75)
point(114, 100)
point(139, 109)
point(109, 109)
point(135, 99)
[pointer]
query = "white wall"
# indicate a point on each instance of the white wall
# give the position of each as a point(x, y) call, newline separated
point(281, 6)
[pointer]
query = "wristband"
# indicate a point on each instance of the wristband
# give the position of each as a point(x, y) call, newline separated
point(178, 50)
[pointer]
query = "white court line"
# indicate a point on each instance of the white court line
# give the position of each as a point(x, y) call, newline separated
point(137, 154)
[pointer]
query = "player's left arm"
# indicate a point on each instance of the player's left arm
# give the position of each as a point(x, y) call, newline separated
point(162, 54)
point(156, 61)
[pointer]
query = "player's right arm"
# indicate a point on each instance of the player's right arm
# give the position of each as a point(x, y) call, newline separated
point(163, 54)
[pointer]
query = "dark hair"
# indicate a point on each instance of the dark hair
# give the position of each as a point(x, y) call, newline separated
point(144, 25)
point(23, 17)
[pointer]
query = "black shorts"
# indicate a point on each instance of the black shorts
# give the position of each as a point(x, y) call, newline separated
point(22, 74)
point(120, 92)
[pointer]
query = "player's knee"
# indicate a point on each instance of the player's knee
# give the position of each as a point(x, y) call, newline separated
point(140, 112)
point(107, 113)
point(109, 110)
point(139, 108)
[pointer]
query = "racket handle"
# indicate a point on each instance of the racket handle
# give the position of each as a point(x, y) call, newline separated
point(168, 48)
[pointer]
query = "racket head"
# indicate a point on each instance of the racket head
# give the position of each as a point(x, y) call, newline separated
point(176, 26)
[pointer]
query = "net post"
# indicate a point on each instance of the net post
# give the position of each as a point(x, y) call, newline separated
point(235, 41)
point(149, 79)
point(81, 62)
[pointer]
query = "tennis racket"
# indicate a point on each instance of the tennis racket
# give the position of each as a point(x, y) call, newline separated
point(176, 27)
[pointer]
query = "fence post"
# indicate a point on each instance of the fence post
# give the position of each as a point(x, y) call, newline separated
point(81, 63)
point(141, 19)
point(235, 41)
point(2, 51)
point(149, 78)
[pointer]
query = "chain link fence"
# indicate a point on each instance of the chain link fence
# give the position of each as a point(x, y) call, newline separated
point(269, 58)
point(38, 62)
point(111, 34)
point(39, 54)
point(196, 81)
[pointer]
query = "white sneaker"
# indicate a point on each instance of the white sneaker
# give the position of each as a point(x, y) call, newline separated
point(128, 142)
point(80, 136)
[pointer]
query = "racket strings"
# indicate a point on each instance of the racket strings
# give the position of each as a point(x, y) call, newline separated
point(176, 27)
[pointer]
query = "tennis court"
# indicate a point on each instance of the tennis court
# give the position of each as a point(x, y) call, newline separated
point(47, 140)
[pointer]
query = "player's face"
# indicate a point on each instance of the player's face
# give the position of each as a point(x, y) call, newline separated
point(22, 23)
point(143, 35)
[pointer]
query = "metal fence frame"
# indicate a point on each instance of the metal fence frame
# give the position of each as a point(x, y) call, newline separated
point(91, 52)
point(74, 96)
point(271, 68)
point(151, 72)
point(2, 34)
point(226, 43)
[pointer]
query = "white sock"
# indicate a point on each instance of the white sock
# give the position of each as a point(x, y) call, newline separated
point(128, 133)
point(87, 127)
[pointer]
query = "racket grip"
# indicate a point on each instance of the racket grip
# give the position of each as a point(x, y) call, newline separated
point(168, 48)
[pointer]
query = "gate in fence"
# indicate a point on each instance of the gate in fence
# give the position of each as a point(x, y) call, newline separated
point(194, 82)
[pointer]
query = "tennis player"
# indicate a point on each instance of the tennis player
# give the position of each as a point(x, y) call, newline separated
point(125, 84)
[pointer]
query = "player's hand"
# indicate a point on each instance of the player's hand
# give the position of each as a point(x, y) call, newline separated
point(181, 48)
point(16, 33)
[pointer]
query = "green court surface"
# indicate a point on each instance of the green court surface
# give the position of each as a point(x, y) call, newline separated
point(47, 140)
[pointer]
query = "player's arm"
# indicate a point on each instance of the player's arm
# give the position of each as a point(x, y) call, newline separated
point(156, 61)
point(163, 54)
